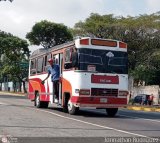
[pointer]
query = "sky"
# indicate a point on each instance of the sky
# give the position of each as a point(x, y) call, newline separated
point(19, 16)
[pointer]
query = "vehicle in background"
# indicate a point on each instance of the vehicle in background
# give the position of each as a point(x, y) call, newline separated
point(141, 99)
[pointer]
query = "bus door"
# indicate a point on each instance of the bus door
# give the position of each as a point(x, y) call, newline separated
point(60, 83)
point(58, 60)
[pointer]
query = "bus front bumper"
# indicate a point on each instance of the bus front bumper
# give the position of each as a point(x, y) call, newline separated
point(99, 102)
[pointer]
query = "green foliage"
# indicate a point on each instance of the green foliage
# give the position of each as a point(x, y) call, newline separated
point(143, 73)
point(96, 25)
point(49, 34)
point(141, 33)
point(13, 50)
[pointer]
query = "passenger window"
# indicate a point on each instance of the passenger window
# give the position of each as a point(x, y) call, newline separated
point(47, 57)
point(67, 63)
point(67, 56)
point(40, 65)
point(33, 67)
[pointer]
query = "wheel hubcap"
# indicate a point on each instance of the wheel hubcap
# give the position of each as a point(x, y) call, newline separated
point(70, 105)
point(37, 100)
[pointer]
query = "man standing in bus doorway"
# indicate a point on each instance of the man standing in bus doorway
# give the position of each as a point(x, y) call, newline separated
point(54, 71)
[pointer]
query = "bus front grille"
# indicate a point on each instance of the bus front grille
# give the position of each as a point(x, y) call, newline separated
point(104, 92)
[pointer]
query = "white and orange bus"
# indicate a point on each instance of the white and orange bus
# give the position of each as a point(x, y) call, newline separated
point(94, 73)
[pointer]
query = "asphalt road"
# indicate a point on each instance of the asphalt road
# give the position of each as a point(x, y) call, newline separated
point(20, 121)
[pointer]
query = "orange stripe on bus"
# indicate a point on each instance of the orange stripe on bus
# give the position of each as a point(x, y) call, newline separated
point(66, 87)
point(35, 85)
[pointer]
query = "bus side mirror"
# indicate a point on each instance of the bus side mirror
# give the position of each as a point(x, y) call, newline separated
point(74, 59)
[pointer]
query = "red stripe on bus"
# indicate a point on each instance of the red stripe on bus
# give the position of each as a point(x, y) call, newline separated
point(96, 100)
point(104, 79)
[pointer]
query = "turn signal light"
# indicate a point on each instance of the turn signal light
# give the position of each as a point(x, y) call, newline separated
point(122, 45)
point(84, 41)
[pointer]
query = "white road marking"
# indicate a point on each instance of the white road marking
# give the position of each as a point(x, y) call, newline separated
point(152, 120)
point(2, 103)
point(140, 118)
point(97, 125)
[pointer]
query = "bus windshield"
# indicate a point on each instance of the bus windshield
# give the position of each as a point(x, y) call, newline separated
point(90, 59)
point(104, 61)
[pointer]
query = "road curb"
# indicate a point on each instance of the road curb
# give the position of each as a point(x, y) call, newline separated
point(142, 108)
point(12, 93)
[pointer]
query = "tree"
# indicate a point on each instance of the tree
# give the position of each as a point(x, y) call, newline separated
point(48, 34)
point(14, 51)
point(96, 25)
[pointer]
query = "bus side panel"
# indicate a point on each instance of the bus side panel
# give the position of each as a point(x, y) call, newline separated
point(36, 86)
point(45, 95)
point(31, 93)
point(66, 88)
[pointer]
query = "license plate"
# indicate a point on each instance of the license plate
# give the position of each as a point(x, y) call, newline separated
point(103, 100)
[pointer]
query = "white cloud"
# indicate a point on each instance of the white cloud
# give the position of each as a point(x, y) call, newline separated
point(153, 5)
point(17, 18)
point(22, 14)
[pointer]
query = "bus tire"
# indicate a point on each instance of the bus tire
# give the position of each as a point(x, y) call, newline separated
point(72, 110)
point(40, 104)
point(45, 104)
point(65, 106)
point(111, 112)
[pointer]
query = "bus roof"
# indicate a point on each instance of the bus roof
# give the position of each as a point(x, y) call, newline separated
point(85, 42)
point(43, 51)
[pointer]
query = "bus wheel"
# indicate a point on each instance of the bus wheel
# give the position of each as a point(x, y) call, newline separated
point(45, 104)
point(71, 108)
point(65, 106)
point(40, 104)
point(111, 112)
point(37, 101)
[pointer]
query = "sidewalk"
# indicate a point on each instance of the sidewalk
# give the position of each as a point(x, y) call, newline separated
point(12, 93)
point(144, 108)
